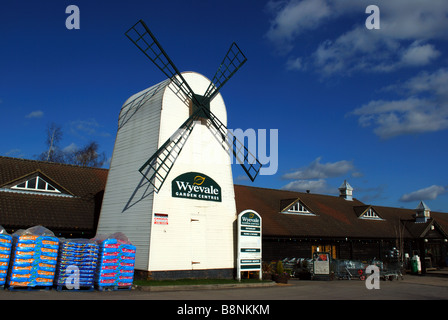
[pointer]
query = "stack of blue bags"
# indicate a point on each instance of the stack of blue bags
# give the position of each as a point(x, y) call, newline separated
point(36, 258)
point(116, 261)
point(126, 265)
point(33, 258)
point(76, 264)
point(5, 254)
point(45, 260)
point(107, 269)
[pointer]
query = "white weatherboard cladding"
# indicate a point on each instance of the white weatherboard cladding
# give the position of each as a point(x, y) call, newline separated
point(127, 208)
point(199, 234)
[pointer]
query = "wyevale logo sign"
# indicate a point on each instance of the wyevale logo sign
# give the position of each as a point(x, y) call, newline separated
point(250, 219)
point(195, 185)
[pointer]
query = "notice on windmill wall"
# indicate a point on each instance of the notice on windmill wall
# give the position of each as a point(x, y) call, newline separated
point(161, 218)
point(249, 242)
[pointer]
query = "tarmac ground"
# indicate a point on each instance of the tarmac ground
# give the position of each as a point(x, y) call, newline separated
point(411, 287)
point(270, 301)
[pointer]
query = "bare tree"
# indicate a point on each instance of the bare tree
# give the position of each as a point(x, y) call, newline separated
point(87, 156)
point(54, 153)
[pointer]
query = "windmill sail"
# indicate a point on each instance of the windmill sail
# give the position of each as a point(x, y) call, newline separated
point(250, 164)
point(233, 60)
point(159, 165)
point(145, 40)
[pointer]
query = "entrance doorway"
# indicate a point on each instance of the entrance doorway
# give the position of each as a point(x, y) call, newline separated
point(198, 243)
point(434, 254)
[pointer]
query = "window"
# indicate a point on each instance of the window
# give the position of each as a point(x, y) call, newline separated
point(298, 208)
point(370, 214)
point(36, 184)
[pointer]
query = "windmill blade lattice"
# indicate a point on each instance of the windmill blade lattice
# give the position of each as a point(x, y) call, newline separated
point(233, 60)
point(157, 168)
point(250, 164)
point(145, 40)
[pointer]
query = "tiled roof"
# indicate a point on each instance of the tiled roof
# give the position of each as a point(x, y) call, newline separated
point(76, 211)
point(80, 181)
point(334, 217)
point(19, 210)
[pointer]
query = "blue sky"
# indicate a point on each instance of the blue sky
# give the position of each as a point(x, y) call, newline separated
point(369, 106)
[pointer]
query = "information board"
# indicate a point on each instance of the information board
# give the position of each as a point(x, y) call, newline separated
point(321, 264)
point(249, 242)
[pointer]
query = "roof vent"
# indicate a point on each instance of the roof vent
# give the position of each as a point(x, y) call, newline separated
point(346, 191)
point(423, 213)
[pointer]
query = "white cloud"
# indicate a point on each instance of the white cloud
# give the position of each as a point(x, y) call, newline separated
point(292, 18)
point(35, 114)
point(315, 186)
point(70, 148)
point(370, 194)
point(433, 83)
point(419, 55)
point(425, 108)
point(407, 27)
point(429, 193)
point(294, 64)
point(357, 174)
point(414, 19)
point(355, 50)
point(365, 50)
point(16, 153)
point(312, 177)
point(89, 127)
point(318, 170)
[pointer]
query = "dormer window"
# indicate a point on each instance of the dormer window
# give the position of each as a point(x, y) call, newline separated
point(370, 214)
point(36, 184)
point(297, 207)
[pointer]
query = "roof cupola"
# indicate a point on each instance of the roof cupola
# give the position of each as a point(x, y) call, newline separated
point(423, 213)
point(346, 191)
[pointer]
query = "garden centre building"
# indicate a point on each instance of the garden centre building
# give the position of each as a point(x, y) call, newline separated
point(67, 200)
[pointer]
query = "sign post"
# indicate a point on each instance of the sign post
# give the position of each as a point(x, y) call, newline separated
point(249, 242)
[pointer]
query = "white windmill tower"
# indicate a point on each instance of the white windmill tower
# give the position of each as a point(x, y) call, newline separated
point(184, 227)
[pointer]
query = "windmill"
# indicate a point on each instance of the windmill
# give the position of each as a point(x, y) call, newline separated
point(176, 130)
point(159, 165)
